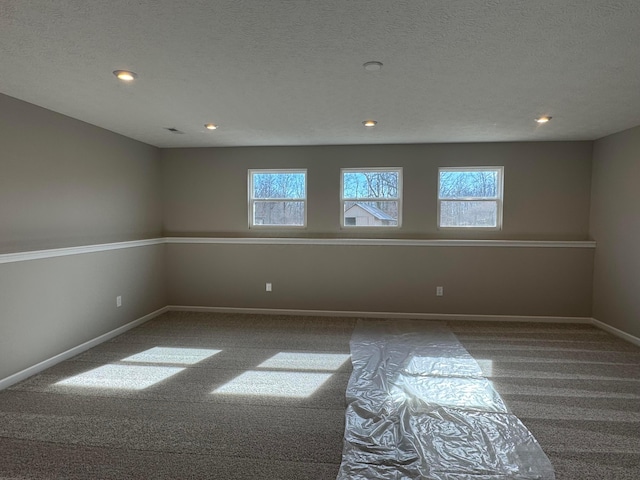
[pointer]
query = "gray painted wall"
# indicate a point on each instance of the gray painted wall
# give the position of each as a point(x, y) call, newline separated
point(547, 194)
point(489, 281)
point(49, 306)
point(615, 225)
point(547, 186)
point(63, 183)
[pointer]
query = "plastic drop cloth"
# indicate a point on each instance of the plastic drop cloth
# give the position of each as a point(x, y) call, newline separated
point(418, 407)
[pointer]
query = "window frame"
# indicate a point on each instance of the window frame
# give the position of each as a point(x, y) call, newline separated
point(344, 199)
point(498, 199)
point(252, 200)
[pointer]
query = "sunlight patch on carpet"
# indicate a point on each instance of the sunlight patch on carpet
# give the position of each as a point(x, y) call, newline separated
point(305, 361)
point(181, 356)
point(275, 384)
point(125, 377)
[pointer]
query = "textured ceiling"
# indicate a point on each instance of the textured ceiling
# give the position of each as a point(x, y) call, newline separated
point(290, 72)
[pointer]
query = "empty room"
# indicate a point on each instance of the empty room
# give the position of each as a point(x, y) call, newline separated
point(342, 239)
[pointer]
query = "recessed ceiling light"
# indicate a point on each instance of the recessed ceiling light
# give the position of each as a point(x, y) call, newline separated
point(125, 75)
point(372, 66)
point(210, 126)
point(369, 123)
point(543, 119)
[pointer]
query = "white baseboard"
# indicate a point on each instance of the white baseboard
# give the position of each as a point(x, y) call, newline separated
point(27, 372)
point(348, 313)
point(614, 331)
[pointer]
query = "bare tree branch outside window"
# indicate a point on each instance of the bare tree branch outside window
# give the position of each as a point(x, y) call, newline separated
point(470, 197)
point(374, 194)
point(278, 198)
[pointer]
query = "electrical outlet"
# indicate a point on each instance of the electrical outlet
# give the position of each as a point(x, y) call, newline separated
point(119, 301)
point(268, 287)
point(439, 291)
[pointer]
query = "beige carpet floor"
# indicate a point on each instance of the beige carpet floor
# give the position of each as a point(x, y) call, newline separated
point(575, 387)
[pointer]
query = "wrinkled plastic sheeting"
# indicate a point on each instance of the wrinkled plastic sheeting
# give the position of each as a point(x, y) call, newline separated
point(418, 407)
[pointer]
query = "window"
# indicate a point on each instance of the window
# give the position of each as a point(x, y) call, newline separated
point(371, 197)
point(470, 197)
point(277, 198)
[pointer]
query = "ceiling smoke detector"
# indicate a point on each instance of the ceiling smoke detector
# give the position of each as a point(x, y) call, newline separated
point(372, 66)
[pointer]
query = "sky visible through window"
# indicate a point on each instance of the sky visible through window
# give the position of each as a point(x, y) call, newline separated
point(277, 185)
point(370, 184)
point(470, 197)
point(278, 198)
point(468, 184)
point(371, 197)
